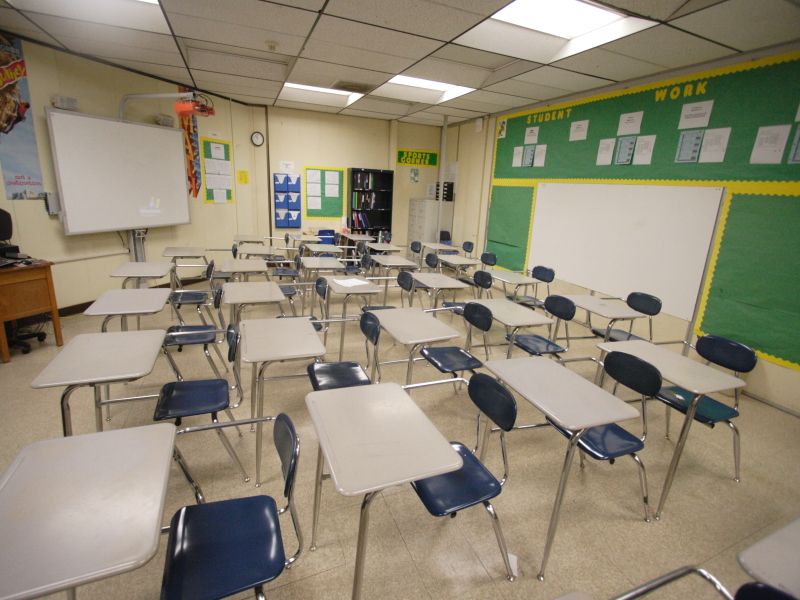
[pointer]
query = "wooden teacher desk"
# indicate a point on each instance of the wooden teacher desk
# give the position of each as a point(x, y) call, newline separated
point(26, 290)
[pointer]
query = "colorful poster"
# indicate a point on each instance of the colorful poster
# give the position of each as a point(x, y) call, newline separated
point(19, 156)
point(191, 146)
point(217, 170)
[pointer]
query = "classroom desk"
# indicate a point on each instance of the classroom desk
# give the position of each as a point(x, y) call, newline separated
point(387, 262)
point(248, 238)
point(612, 309)
point(323, 249)
point(518, 280)
point(773, 560)
point(127, 302)
point(250, 249)
point(438, 247)
point(176, 252)
point(297, 238)
point(513, 316)
point(79, 509)
point(373, 437)
point(316, 264)
point(413, 328)
point(267, 341)
point(383, 247)
point(348, 287)
point(457, 262)
point(244, 266)
point(92, 359)
point(566, 398)
point(681, 370)
point(239, 294)
point(138, 271)
point(27, 290)
point(359, 237)
point(437, 283)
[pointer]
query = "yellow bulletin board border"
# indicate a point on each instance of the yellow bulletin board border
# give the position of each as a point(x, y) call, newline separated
point(332, 206)
point(230, 194)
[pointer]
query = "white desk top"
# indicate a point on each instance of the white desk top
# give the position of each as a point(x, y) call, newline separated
point(268, 340)
point(412, 326)
point(773, 560)
point(251, 292)
point(681, 370)
point(456, 260)
point(102, 358)
point(304, 237)
point(375, 436)
point(82, 508)
point(390, 260)
point(323, 249)
point(321, 262)
point(145, 301)
point(512, 277)
point(439, 281)
point(609, 309)
point(144, 270)
point(183, 252)
point(436, 246)
point(352, 285)
point(561, 394)
point(248, 237)
point(256, 250)
point(512, 314)
point(243, 265)
point(359, 237)
point(383, 247)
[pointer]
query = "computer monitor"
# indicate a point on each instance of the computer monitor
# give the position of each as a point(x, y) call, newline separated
point(6, 228)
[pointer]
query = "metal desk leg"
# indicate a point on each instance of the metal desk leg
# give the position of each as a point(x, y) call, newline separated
point(385, 286)
point(66, 414)
point(562, 484)
point(361, 550)
point(410, 368)
point(676, 455)
point(253, 393)
point(260, 425)
point(344, 325)
point(599, 373)
point(98, 408)
point(317, 498)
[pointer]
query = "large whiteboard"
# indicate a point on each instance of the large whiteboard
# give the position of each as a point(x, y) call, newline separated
point(115, 175)
point(618, 239)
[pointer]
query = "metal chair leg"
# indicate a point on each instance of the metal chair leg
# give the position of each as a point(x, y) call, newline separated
point(317, 498)
point(225, 442)
point(736, 449)
point(215, 345)
point(501, 541)
point(667, 413)
point(643, 483)
point(173, 364)
point(211, 362)
point(198, 493)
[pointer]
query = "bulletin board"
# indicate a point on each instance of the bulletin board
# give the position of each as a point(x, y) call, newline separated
point(324, 193)
point(217, 162)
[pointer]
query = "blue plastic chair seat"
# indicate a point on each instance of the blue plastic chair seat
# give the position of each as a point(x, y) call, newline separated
point(188, 398)
point(616, 335)
point(285, 272)
point(457, 490)
point(458, 307)
point(536, 344)
point(329, 376)
point(709, 411)
point(288, 290)
point(529, 301)
point(188, 297)
point(450, 359)
point(606, 441)
point(199, 334)
point(222, 548)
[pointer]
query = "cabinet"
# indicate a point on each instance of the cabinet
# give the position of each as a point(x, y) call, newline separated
point(423, 214)
point(370, 207)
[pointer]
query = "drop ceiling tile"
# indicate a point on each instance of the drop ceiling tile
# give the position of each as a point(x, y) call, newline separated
point(532, 89)
point(305, 106)
point(312, 97)
point(453, 112)
point(693, 6)
point(609, 65)
point(315, 5)
point(563, 79)
point(258, 100)
point(133, 15)
point(511, 40)
point(408, 93)
point(745, 25)
point(660, 10)
point(325, 74)
point(685, 49)
point(423, 118)
point(471, 56)
point(250, 13)
point(354, 112)
point(242, 85)
point(209, 60)
point(449, 72)
point(381, 105)
point(236, 35)
point(355, 57)
point(484, 7)
point(107, 51)
point(176, 74)
point(514, 87)
point(420, 17)
point(487, 102)
point(13, 22)
point(510, 70)
point(187, 43)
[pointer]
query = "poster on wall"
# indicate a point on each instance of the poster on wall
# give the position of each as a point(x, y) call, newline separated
point(19, 156)
point(191, 147)
point(217, 171)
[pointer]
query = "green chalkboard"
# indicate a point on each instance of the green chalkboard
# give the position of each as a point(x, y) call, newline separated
point(324, 193)
point(743, 100)
point(509, 224)
point(753, 297)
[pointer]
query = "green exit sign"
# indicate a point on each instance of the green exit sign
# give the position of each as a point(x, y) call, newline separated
point(417, 158)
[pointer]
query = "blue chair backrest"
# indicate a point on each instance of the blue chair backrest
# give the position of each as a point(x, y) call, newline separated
point(301, 250)
point(633, 372)
point(387, 236)
point(755, 590)
point(370, 327)
point(217, 296)
point(445, 237)
point(326, 236)
point(405, 280)
point(210, 270)
point(560, 307)
point(321, 285)
point(361, 248)
point(288, 446)
point(483, 279)
point(232, 336)
point(416, 247)
point(286, 239)
point(493, 400)
point(366, 261)
point(726, 353)
point(235, 250)
point(298, 262)
point(432, 260)
point(545, 274)
point(644, 303)
point(489, 259)
point(467, 247)
point(337, 238)
point(478, 315)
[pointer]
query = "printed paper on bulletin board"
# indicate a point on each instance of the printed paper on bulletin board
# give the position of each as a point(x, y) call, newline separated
point(217, 161)
point(324, 193)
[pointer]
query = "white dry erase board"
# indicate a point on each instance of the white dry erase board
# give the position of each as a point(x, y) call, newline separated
point(115, 175)
point(618, 239)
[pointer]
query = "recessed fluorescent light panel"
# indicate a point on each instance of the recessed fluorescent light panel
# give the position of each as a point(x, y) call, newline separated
point(448, 90)
point(149, 1)
point(318, 95)
point(563, 18)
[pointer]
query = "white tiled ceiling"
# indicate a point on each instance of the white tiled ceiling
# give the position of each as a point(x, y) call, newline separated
point(247, 49)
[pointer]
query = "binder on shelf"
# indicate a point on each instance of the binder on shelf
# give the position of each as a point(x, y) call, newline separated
point(293, 184)
point(293, 219)
point(281, 201)
point(280, 182)
point(293, 201)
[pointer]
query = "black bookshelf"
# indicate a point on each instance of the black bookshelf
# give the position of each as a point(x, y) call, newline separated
point(370, 207)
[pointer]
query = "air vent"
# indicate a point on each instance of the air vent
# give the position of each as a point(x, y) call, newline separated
point(353, 87)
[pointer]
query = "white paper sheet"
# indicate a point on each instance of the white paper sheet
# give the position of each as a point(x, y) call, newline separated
point(332, 191)
point(219, 167)
point(220, 196)
point(218, 182)
point(695, 115)
point(312, 176)
point(217, 151)
point(531, 135)
point(313, 202)
point(715, 143)
point(287, 166)
point(314, 189)
point(605, 151)
point(770, 144)
point(630, 123)
point(517, 160)
point(578, 130)
point(351, 282)
point(332, 178)
point(539, 155)
point(643, 153)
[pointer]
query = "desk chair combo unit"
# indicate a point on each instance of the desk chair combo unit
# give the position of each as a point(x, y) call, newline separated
point(563, 309)
point(539, 274)
point(482, 282)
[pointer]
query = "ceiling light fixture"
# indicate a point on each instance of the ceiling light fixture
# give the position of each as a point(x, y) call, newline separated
point(149, 1)
point(351, 96)
point(562, 18)
point(449, 91)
